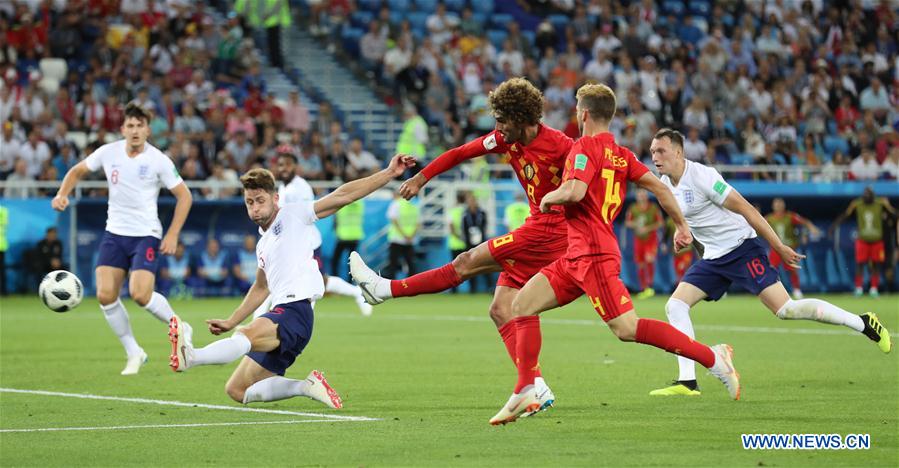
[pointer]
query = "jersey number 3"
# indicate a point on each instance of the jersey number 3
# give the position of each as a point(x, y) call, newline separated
point(612, 201)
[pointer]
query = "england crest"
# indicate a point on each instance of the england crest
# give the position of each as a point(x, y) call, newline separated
point(688, 197)
point(144, 170)
point(277, 228)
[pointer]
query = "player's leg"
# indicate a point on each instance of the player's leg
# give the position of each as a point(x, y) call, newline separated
point(861, 260)
point(378, 289)
point(260, 335)
point(251, 383)
point(677, 309)
point(877, 256)
point(777, 300)
point(109, 283)
point(142, 279)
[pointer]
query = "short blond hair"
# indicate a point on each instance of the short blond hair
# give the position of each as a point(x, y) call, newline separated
point(258, 179)
point(599, 100)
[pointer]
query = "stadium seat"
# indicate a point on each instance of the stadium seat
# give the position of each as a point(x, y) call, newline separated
point(49, 85)
point(700, 8)
point(79, 138)
point(482, 6)
point(369, 5)
point(455, 5)
point(55, 68)
point(496, 37)
point(833, 143)
point(361, 19)
point(427, 6)
point(559, 22)
point(501, 20)
point(418, 20)
point(673, 7)
point(398, 5)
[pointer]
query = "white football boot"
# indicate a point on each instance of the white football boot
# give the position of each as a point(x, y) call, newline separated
point(134, 363)
point(724, 369)
point(181, 337)
point(519, 403)
point(375, 289)
point(319, 390)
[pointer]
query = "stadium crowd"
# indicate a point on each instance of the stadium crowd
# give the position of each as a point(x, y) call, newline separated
point(775, 82)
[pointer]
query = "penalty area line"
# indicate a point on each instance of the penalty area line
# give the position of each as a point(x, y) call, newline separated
point(167, 426)
point(88, 396)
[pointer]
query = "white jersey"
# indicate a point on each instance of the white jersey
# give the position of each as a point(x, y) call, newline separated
point(134, 187)
point(284, 253)
point(298, 190)
point(700, 195)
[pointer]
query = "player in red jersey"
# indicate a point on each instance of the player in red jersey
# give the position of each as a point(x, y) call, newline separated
point(537, 153)
point(644, 218)
point(596, 175)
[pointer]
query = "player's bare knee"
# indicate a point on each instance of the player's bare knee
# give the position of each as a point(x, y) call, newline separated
point(106, 297)
point(235, 391)
point(625, 330)
point(142, 298)
point(500, 313)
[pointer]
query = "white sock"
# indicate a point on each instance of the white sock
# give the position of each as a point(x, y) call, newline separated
point(338, 285)
point(679, 317)
point(820, 311)
point(221, 351)
point(159, 307)
point(275, 388)
point(539, 382)
point(117, 318)
point(263, 308)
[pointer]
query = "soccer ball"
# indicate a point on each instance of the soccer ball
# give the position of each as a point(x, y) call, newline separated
point(61, 290)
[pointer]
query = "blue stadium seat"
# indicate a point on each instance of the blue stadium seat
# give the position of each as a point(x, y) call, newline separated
point(482, 6)
point(559, 22)
point(361, 19)
point(418, 20)
point(369, 5)
point(700, 8)
point(428, 6)
point(496, 37)
point(501, 20)
point(673, 7)
point(351, 36)
point(833, 143)
point(455, 5)
point(480, 18)
point(398, 5)
point(531, 36)
point(397, 17)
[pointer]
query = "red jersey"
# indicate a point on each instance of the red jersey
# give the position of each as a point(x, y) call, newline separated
point(606, 168)
point(538, 165)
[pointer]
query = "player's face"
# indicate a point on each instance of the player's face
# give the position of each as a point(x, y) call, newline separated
point(136, 131)
point(261, 206)
point(664, 155)
point(778, 205)
point(286, 169)
point(512, 132)
point(642, 197)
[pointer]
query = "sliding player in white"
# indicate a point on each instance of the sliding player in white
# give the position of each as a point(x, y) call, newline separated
point(727, 225)
point(294, 189)
point(135, 170)
point(287, 271)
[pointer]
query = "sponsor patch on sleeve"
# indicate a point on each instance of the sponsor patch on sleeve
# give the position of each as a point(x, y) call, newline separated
point(719, 187)
point(490, 142)
point(580, 162)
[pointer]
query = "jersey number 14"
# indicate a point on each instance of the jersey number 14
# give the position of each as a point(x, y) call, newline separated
point(612, 202)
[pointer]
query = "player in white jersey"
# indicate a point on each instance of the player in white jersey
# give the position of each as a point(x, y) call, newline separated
point(294, 189)
point(287, 271)
point(726, 226)
point(135, 171)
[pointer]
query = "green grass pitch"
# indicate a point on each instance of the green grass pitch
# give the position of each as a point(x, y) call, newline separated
point(433, 370)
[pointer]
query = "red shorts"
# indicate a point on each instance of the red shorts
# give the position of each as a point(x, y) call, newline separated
point(682, 261)
point(597, 276)
point(776, 261)
point(524, 251)
point(645, 250)
point(869, 251)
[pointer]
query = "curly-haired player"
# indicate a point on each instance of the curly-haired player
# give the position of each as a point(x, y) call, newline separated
point(537, 153)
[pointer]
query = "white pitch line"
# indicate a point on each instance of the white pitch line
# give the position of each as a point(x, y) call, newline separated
point(166, 426)
point(88, 396)
point(583, 322)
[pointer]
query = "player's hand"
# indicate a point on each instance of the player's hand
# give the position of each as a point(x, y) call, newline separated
point(218, 326)
point(789, 256)
point(60, 203)
point(411, 187)
point(169, 243)
point(682, 239)
point(400, 163)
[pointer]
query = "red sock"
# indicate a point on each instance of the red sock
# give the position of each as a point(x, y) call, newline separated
point(662, 335)
point(527, 349)
point(641, 275)
point(858, 281)
point(431, 281)
point(794, 279)
point(875, 279)
point(507, 332)
point(650, 274)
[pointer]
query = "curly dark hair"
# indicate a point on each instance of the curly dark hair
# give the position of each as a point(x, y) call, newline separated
point(516, 100)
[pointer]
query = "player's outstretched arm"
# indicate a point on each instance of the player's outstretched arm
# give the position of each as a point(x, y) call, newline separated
point(736, 203)
point(76, 173)
point(571, 191)
point(254, 298)
point(183, 202)
point(448, 160)
point(682, 235)
point(352, 191)
point(842, 217)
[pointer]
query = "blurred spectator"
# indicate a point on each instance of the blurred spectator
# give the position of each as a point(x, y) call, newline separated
point(335, 161)
point(65, 159)
point(372, 47)
point(223, 182)
point(865, 167)
point(694, 148)
point(600, 69)
point(875, 98)
point(359, 162)
point(189, 122)
point(245, 265)
point(404, 225)
point(397, 59)
point(310, 165)
point(48, 254)
point(440, 25)
point(474, 231)
point(241, 150)
point(212, 268)
point(9, 149)
point(413, 139)
point(891, 165)
point(18, 183)
point(34, 152)
point(175, 274)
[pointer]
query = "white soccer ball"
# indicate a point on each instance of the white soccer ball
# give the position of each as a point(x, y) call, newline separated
point(61, 290)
